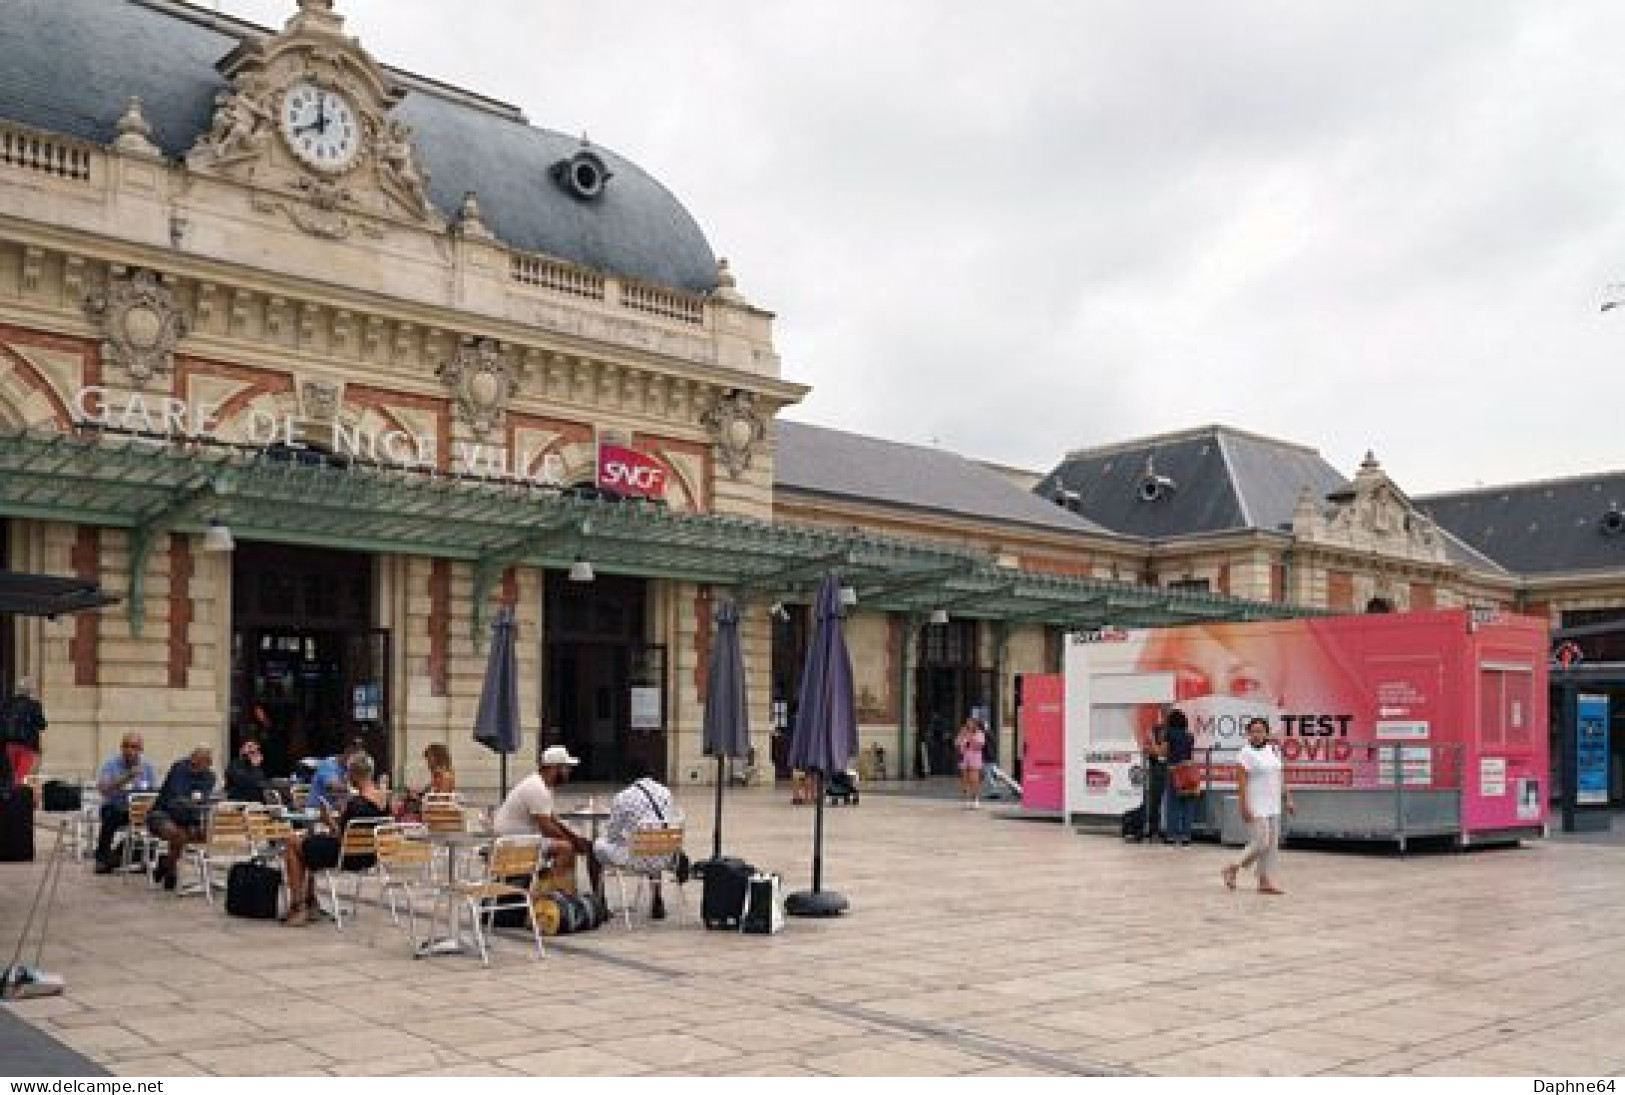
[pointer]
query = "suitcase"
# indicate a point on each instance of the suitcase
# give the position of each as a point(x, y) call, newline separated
point(253, 891)
point(722, 898)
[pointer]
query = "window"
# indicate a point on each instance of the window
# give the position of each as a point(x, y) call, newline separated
point(949, 645)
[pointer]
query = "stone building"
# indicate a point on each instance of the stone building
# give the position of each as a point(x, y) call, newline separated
point(315, 363)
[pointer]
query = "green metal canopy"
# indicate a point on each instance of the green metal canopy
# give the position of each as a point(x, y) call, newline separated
point(154, 485)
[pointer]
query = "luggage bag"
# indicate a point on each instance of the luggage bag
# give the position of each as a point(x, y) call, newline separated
point(722, 898)
point(253, 891)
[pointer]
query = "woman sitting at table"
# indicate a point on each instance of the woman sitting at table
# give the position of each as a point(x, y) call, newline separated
point(320, 851)
point(442, 780)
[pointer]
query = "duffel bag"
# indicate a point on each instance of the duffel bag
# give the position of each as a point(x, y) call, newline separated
point(253, 891)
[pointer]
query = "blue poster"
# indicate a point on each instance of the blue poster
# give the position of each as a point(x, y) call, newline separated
point(1591, 784)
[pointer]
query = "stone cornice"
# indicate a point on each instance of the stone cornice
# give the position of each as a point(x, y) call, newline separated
point(244, 315)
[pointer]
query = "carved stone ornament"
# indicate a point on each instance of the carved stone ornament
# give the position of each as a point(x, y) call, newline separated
point(399, 173)
point(244, 119)
point(135, 132)
point(141, 323)
point(736, 429)
point(483, 382)
point(320, 400)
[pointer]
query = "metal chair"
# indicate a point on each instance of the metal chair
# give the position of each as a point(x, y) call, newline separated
point(137, 840)
point(358, 839)
point(227, 840)
point(512, 858)
point(652, 852)
point(406, 867)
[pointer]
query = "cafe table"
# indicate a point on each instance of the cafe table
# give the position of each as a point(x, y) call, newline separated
point(458, 845)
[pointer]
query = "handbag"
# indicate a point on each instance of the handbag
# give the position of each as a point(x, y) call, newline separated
point(1187, 778)
point(764, 905)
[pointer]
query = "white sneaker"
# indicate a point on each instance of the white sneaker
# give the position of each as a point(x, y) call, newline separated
point(975, 804)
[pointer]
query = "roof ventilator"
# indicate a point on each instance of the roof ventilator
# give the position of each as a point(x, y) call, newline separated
point(1612, 523)
point(1154, 487)
point(584, 175)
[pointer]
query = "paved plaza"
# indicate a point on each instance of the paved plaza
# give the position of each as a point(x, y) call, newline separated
point(976, 946)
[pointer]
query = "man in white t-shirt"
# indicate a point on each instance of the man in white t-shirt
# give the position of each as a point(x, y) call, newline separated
point(1262, 792)
point(529, 809)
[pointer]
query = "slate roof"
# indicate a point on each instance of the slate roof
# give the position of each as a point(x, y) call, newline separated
point(1554, 526)
point(837, 464)
point(1222, 480)
point(71, 65)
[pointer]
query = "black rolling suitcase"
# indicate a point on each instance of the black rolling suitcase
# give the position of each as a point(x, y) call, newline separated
point(722, 896)
point(1134, 824)
point(16, 823)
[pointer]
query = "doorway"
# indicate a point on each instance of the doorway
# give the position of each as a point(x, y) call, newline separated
point(949, 687)
point(309, 672)
point(604, 686)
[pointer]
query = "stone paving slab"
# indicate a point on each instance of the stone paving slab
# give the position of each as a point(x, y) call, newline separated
point(975, 947)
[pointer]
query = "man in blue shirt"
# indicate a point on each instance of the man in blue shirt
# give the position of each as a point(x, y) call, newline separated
point(178, 815)
point(331, 780)
point(115, 780)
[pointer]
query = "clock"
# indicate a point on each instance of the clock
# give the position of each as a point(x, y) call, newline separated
point(321, 127)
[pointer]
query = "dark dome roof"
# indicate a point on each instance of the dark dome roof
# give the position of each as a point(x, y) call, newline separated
point(71, 65)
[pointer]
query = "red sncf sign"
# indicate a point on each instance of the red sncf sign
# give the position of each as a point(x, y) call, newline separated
point(629, 472)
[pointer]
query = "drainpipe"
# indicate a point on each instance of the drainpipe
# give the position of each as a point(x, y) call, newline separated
point(905, 697)
point(1001, 656)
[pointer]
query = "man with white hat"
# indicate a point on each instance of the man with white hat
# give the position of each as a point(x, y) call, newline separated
point(529, 809)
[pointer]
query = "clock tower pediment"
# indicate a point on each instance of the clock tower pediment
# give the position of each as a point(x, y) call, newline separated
point(305, 120)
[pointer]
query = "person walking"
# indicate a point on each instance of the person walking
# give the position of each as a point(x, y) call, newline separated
point(1262, 792)
point(970, 744)
point(1178, 807)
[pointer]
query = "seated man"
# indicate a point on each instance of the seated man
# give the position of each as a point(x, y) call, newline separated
point(329, 786)
point(645, 803)
point(119, 776)
point(245, 778)
point(529, 809)
point(177, 816)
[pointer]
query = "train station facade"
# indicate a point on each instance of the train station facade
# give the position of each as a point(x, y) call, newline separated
point(314, 363)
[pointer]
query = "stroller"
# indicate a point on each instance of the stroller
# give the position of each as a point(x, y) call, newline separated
point(842, 788)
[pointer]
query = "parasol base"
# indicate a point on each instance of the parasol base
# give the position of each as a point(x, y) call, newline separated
point(815, 903)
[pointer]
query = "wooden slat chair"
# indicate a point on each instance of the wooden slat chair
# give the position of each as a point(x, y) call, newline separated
point(137, 840)
point(510, 875)
point(406, 867)
point(268, 834)
point(443, 813)
point(226, 841)
point(358, 839)
point(653, 851)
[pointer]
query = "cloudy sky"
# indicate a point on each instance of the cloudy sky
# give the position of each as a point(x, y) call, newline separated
point(1018, 228)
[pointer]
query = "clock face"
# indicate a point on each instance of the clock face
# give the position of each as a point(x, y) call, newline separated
point(321, 127)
